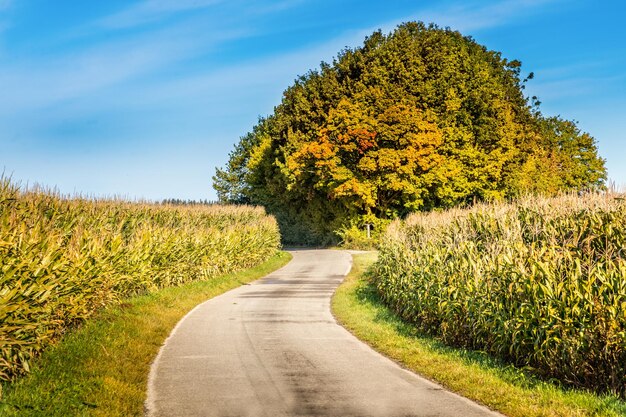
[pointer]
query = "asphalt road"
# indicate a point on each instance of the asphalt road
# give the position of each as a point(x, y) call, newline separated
point(273, 348)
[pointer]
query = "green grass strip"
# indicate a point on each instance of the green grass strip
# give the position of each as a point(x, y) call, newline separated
point(102, 368)
point(474, 375)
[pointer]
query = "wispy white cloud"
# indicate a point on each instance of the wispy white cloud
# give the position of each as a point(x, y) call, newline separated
point(237, 82)
point(580, 88)
point(5, 22)
point(106, 101)
point(274, 6)
point(47, 81)
point(581, 81)
point(478, 15)
point(29, 88)
point(147, 11)
point(5, 4)
point(577, 87)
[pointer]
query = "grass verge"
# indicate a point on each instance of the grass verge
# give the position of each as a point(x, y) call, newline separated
point(102, 368)
point(474, 375)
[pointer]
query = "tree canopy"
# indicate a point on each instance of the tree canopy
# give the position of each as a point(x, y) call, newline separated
point(418, 119)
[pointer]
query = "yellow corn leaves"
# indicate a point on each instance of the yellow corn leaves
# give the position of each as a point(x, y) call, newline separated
point(540, 283)
point(61, 260)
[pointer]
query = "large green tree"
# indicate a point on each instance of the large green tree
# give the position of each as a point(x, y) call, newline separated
point(417, 119)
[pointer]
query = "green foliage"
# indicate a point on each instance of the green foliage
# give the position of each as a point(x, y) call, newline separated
point(62, 260)
point(418, 119)
point(540, 283)
point(354, 235)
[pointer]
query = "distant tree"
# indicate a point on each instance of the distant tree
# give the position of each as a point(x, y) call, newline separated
point(418, 119)
point(231, 183)
point(181, 202)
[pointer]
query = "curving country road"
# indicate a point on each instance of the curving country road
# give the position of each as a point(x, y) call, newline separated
point(273, 349)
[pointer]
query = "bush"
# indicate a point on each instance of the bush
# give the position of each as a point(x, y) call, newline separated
point(355, 236)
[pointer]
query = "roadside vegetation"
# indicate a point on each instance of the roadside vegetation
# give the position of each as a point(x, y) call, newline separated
point(63, 260)
point(101, 369)
point(540, 283)
point(513, 391)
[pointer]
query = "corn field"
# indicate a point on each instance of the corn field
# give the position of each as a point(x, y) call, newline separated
point(63, 259)
point(540, 283)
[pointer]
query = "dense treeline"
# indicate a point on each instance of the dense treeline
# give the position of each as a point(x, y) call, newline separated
point(63, 259)
point(183, 202)
point(418, 119)
point(539, 283)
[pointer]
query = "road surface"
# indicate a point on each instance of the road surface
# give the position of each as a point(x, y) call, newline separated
point(273, 349)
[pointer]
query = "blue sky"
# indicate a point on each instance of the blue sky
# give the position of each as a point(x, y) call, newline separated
point(143, 99)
